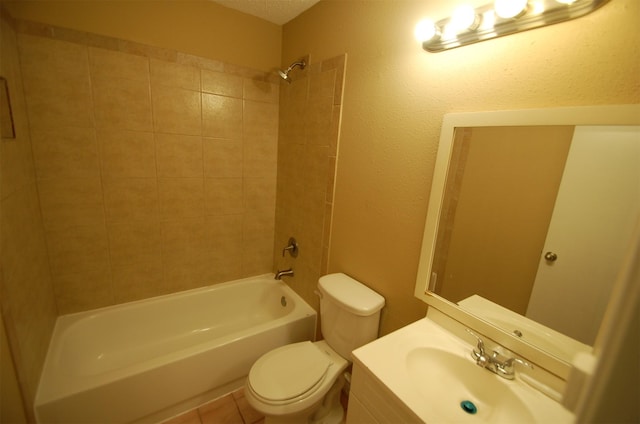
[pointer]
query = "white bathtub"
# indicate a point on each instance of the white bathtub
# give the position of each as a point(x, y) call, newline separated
point(145, 361)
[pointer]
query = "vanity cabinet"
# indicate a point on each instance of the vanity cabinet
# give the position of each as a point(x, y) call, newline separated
point(370, 401)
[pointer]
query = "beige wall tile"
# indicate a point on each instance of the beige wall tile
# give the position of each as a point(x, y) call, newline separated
point(222, 84)
point(260, 119)
point(131, 200)
point(185, 253)
point(221, 116)
point(122, 104)
point(225, 264)
point(309, 130)
point(134, 242)
point(334, 133)
point(200, 62)
point(83, 291)
point(176, 110)
point(80, 249)
point(139, 280)
point(70, 152)
point(28, 301)
point(222, 158)
point(185, 237)
point(114, 64)
point(261, 91)
point(225, 232)
point(38, 52)
point(260, 157)
point(23, 240)
point(223, 196)
point(44, 89)
point(318, 118)
point(179, 155)
point(16, 165)
point(322, 84)
point(260, 194)
point(225, 235)
point(54, 70)
point(317, 171)
point(257, 256)
point(181, 198)
point(80, 266)
point(175, 75)
point(71, 202)
point(127, 153)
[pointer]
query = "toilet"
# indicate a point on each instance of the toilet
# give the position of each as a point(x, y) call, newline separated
point(301, 382)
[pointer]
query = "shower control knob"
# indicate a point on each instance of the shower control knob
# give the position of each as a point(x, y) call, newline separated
point(550, 257)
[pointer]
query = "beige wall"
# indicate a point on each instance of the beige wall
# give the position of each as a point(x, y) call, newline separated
point(28, 305)
point(198, 27)
point(155, 173)
point(396, 95)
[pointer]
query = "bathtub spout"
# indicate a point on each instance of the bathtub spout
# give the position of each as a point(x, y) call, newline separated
point(285, 273)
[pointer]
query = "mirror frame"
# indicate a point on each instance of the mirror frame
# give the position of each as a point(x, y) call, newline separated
point(581, 115)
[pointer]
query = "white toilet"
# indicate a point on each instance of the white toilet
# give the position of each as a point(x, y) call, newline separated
point(301, 382)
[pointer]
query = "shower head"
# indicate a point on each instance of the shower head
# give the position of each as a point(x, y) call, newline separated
point(285, 74)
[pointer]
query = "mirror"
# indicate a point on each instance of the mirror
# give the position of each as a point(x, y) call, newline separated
point(527, 226)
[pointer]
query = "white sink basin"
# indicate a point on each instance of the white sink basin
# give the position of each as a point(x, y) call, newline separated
point(432, 373)
point(465, 391)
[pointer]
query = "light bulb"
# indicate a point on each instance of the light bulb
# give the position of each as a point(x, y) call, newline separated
point(537, 7)
point(507, 9)
point(425, 30)
point(488, 20)
point(464, 18)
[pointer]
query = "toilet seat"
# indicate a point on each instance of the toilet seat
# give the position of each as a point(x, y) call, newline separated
point(289, 373)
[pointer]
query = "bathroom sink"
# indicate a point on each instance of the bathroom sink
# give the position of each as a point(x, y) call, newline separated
point(465, 391)
point(433, 378)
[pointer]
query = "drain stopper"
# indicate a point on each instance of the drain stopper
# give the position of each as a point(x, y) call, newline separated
point(468, 407)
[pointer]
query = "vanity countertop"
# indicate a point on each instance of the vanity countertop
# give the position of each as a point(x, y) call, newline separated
point(426, 368)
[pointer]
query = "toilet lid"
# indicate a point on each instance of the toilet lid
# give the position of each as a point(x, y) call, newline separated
point(289, 371)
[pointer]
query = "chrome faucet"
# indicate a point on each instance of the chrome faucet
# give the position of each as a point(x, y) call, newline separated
point(496, 363)
point(285, 273)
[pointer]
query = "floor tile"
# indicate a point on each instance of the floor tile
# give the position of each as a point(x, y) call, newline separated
point(249, 415)
point(221, 411)
point(191, 417)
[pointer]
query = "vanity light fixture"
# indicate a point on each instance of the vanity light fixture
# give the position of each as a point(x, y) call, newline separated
point(469, 25)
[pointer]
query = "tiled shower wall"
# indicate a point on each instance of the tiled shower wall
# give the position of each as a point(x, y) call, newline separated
point(156, 170)
point(310, 111)
point(28, 304)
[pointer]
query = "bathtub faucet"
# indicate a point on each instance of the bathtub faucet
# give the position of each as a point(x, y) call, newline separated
point(286, 272)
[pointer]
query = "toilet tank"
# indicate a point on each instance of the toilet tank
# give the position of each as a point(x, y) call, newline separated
point(349, 313)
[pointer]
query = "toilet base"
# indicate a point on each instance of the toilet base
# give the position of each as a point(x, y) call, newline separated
point(328, 411)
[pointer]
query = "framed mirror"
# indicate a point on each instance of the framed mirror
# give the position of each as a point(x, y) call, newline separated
point(529, 216)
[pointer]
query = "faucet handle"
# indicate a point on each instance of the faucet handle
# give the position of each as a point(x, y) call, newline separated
point(480, 352)
point(292, 248)
point(509, 362)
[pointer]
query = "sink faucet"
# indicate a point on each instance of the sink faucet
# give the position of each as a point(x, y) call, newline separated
point(285, 273)
point(495, 362)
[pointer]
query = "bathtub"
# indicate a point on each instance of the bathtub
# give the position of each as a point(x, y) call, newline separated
point(148, 360)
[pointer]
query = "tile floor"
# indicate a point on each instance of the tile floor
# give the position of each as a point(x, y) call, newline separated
point(230, 409)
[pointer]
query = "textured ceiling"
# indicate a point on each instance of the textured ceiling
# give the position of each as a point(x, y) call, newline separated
point(277, 11)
